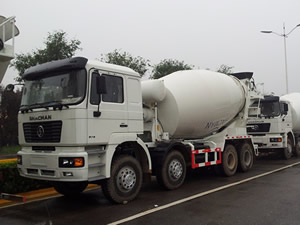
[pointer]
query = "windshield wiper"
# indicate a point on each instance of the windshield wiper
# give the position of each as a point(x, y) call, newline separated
point(32, 106)
point(58, 105)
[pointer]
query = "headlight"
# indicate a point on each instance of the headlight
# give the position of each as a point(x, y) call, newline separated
point(19, 159)
point(275, 139)
point(68, 162)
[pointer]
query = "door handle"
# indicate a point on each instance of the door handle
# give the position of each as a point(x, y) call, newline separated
point(123, 125)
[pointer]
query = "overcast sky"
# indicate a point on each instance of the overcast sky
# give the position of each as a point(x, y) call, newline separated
point(204, 33)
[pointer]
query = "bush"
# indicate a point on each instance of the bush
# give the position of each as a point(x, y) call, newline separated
point(11, 182)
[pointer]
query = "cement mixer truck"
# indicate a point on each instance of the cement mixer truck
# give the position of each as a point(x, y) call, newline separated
point(276, 126)
point(84, 121)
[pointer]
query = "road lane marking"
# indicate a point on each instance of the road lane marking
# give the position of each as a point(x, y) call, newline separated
point(147, 212)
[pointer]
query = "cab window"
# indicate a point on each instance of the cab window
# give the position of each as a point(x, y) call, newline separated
point(114, 87)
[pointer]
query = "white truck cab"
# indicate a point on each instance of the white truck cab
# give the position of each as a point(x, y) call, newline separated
point(65, 135)
point(272, 127)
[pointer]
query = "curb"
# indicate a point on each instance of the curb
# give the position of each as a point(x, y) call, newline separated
point(37, 195)
point(8, 160)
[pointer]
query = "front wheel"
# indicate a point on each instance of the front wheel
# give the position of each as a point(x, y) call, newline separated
point(245, 157)
point(172, 173)
point(125, 182)
point(288, 151)
point(230, 160)
point(70, 188)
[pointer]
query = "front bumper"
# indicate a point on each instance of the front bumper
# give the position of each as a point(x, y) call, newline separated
point(264, 142)
point(45, 165)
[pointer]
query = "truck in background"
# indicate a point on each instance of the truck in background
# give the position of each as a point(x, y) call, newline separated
point(8, 32)
point(276, 125)
point(84, 121)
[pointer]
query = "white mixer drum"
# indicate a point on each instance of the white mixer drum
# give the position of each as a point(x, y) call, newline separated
point(294, 100)
point(199, 102)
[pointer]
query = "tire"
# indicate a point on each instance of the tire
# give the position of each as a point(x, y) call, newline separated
point(1, 44)
point(70, 189)
point(230, 161)
point(288, 151)
point(125, 182)
point(246, 157)
point(297, 149)
point(172, 173)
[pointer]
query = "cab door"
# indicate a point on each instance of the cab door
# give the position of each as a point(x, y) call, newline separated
point(113, 116)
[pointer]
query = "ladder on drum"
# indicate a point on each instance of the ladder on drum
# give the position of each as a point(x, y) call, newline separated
point(8, 32)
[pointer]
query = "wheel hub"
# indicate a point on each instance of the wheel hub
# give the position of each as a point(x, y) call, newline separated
point(126, 178)
point(175, 169)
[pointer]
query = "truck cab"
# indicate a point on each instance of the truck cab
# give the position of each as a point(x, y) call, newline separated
point(76, 115)
point(271, 127)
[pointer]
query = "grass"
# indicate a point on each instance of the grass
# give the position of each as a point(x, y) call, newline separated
point(9, 150)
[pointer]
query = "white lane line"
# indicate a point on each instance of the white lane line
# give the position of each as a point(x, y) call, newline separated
point(199, 195)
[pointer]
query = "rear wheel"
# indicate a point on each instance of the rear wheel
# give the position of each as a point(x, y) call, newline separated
point(230, 160)
point(297, 149)
point(70, 188)
point(288, 151)
point(173, 171)
point(125, 182)
point(245, 157)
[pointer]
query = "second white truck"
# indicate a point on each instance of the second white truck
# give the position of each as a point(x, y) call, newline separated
point(84, 121)
point(276, 126)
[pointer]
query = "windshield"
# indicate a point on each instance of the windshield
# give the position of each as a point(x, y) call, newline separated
point(60, 89)
point(270, 109)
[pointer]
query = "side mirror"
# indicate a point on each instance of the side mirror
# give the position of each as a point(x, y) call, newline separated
point(285, 108)
point(10, 87)
point(101, 89)
point(101, 85)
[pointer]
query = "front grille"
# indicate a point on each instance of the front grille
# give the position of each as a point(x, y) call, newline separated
point(43, 132)
point(258, 127)
point(32, 171)
point(43, 148)
point(48, 172)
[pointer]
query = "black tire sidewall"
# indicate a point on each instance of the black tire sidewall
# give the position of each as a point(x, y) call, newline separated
point(70, 188)
point(166, 180)
point(112, 190)
point(286, 154)
point(246, 147)
point(297, 149)
point(1, 44)
point(229, 150)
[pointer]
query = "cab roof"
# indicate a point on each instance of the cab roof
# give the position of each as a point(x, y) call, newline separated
point(111, 68)
point(72, 64)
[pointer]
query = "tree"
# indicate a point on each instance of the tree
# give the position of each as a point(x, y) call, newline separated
point(57, 46)
point(9, 109)
point(168, 66)
point(118, 57)
point(225, 69)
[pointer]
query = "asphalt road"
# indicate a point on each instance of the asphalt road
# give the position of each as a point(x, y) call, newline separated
point(271, 199)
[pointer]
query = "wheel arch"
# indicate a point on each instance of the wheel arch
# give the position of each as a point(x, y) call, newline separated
point(136, 149)
point(128, 144)
point(159, 153)
point(238, 142)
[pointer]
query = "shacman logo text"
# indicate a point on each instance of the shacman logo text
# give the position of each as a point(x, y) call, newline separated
point(46, 117)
